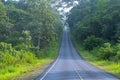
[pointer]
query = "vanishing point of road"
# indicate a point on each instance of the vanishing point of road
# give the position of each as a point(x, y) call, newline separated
point(70, 66)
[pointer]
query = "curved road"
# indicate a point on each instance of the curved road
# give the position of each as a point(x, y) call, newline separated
point(70, 66)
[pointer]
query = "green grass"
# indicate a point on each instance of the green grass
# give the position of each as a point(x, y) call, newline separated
point(108, 66)
point(28, 69)
point(13, 71)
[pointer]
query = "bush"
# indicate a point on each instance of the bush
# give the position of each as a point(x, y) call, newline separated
point(106, 52)
point(5, 47)
point(117, 57)
point(21, 47)
point(11, 57)
point(117, 50)
point(91, 42)
point(26, 57)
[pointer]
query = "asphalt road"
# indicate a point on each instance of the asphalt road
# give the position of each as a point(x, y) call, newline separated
point(70, 66)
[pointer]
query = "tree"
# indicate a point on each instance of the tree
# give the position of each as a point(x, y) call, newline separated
point(27, 38)
point(100, 17)
point(5, 25)
point(44, 19)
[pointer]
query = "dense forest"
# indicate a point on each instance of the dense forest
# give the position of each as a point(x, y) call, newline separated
point(95, 24)
point(30, 31)
point(27, 28)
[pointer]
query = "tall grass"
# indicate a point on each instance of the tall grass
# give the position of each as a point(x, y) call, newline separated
point(14, 63)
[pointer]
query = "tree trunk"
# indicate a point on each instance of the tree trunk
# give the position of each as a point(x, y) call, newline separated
point(38, 43)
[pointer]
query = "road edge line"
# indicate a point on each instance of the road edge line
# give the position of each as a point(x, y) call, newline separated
point(49, 70)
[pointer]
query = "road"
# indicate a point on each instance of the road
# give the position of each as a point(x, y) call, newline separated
point(70, 66)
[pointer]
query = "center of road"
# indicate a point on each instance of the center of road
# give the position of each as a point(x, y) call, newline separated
point(70, 66)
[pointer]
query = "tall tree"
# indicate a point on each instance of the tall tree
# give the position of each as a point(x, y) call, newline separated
point(98, 17)
point(5, 25)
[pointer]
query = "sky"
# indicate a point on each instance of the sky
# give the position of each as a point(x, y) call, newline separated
point(65, 7)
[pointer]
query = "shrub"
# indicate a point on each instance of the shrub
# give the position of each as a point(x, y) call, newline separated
point(26, 57)
point(91, 42)
point(106, 52)
point(11, 69)
point(117, 50)
point(5, 47)
point(11, 57)
point(21, 47)
point(117, 57)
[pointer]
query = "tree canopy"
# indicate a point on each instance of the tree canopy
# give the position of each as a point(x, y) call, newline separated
point(96, 17)
point(35, 16)
point(95, 24)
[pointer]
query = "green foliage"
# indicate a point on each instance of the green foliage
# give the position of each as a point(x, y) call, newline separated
point(14, 38)
point(29, 23)
point(27, 57)
point(107, 65)
point(15, 62)
point(5, 25)
point(10, 56)
point(2, 14)
point(45, 21)
point(27, 30)
point(5, 46)
point(117, 50)
point(96, 17)
point(117, 57)
point(91, 42)
point(106, 52)
point(100, 18)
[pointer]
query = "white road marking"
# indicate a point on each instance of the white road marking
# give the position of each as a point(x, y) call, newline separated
point(78, 74)
point(49, 69)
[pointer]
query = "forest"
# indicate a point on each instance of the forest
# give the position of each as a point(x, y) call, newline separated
point(31, 31)
point(95, 24)
point(28, 30)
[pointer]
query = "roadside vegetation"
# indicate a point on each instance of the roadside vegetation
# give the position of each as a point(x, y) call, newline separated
point(30, 32)
point(95, 26)
point(106, 65)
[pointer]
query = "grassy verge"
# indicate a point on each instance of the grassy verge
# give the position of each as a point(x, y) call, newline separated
point(10, 72)
point(28, 71)
point(108, 66)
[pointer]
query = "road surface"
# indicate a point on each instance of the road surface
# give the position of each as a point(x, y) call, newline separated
point(70, 66)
